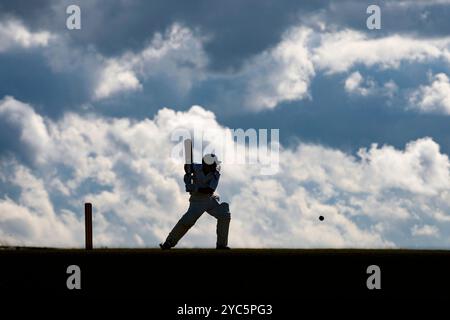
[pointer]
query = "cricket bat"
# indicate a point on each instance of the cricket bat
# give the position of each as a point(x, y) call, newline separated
point(188, 151)
point(188, 167)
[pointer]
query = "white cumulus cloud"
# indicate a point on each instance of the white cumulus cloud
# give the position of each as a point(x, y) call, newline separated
point(425, 230)
point(33, 129)
point(341, 50)
point(177, 55)
point(14, 34)
point(282, 73)
point(434, 97)
point(356, 84)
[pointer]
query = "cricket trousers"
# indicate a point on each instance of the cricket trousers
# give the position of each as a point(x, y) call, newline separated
point(198, 204)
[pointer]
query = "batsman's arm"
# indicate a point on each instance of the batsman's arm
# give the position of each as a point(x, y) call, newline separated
point(200, 175)
point(188, 168)
point(212, 183)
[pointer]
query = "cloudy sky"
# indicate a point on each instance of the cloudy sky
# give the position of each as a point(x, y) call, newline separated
point(364, 120)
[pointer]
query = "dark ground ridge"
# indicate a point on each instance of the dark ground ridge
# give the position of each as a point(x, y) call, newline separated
point(275, 275)
point(340, 251)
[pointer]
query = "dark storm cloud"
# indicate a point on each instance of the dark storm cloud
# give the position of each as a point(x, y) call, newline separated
point(35, 13)
point(28, 77)
point(238, 29)
point(422, 18)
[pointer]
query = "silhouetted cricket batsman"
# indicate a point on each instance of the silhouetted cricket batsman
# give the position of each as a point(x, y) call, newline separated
point(201, 181)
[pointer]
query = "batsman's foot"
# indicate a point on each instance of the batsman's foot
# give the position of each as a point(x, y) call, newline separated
point(223, 248)
point(164, 246)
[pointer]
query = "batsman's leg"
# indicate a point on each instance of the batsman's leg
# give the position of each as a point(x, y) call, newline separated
point(194, 212)
point(222, 213)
